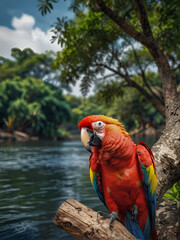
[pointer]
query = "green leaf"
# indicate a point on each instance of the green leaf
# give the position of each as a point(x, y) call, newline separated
point(169, 196)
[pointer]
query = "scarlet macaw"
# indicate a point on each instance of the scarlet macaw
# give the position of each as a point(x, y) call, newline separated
point(122, 173)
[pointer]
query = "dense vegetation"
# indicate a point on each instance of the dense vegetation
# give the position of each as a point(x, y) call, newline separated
point(130, 108)
point(30, 103)
point(31, 99)
point(26, 101)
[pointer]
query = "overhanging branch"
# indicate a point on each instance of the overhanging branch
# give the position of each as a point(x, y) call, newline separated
point(134, 84)
point(122, 23)
point(144, 77)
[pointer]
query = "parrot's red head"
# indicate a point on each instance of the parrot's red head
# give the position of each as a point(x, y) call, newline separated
point(94, 128)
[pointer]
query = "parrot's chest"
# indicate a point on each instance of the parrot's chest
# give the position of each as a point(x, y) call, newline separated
point(120, 178)
point(123, 185)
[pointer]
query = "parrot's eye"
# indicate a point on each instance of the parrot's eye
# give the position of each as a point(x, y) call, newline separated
point(99, 124)
point(99, 128)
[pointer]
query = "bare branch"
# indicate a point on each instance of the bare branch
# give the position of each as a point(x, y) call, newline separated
point(106, 76)
point(143, 75)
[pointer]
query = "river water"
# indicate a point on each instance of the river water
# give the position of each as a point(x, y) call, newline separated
point(35, 179)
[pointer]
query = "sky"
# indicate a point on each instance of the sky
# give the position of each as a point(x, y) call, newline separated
point(22, 26)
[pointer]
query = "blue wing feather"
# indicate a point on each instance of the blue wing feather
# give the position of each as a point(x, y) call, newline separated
point(150, 197)
point(97, 185)
point(148, 171)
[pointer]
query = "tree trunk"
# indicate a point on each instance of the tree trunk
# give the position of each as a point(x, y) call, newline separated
point(167, 222)
point(82, 223)
point(167, 153)
point(167, 157)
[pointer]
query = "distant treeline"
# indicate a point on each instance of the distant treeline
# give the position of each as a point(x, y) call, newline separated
point(32, 100)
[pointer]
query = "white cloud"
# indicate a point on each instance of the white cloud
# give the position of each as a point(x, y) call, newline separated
point(25, 35)
point(24, 23)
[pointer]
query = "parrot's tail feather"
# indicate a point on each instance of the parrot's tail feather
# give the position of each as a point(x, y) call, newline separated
point(133, 226)
point(147, 228)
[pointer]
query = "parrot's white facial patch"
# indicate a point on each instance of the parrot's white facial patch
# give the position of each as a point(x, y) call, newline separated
point(99, 129)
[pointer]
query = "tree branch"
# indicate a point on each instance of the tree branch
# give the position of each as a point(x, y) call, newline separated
point(132, 83)
point(144, 77)
point(140, 37)
point(143, 18)
point(82, 223)
point(106, 76)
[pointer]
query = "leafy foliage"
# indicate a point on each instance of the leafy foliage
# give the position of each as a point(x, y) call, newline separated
point(28, 63)
point(92, 49)
point(78, 60)
point(45, 6)
point(173, 194)
point(169, 24)
point(128, 105)
point(60, 27)
point(32, 103)
point(84, 107)
point(134, 111)
point(27, 98)
point(95, 46)
point(107, 93)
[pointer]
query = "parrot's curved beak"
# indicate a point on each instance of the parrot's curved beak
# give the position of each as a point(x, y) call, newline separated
point(89, 139)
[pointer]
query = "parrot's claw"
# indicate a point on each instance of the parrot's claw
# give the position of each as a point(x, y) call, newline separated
point(103, 214)
point(134, 213)
point(113, 216)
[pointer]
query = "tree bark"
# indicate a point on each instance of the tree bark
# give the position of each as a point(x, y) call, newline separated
point(167, 222)
point(82, 223)
point(167, 155)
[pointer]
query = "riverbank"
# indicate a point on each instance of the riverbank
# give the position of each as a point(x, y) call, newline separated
point(23, 137)
point(16, 136)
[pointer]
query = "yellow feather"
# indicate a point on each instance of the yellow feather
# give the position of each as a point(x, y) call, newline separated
point(152, 179)
point(91, 175)
point(110, 120)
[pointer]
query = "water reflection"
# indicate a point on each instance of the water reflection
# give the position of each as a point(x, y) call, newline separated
point(35, 178)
